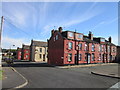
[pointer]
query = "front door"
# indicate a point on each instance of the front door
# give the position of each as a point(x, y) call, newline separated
point(103, 58)
point(43, 57)
point(76, 61)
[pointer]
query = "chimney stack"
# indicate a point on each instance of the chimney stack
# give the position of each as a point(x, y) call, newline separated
point(90, 35)
point(52, 32)
point(60, 29)
point(110, 39)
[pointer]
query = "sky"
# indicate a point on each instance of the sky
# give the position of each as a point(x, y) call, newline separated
point(35, 20)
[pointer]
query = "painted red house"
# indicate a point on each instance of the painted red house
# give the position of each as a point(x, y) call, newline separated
point(25, 52)
point(19, 50)
point(68, 47)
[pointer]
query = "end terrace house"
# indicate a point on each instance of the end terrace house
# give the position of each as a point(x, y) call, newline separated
point(38, 51)
point(68, 47)
point(19, 53)
point(25, 52)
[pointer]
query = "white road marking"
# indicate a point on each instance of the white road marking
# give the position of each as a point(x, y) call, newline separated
point(116, 86)
point(20, 86)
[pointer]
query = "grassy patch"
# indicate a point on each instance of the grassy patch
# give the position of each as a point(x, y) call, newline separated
point(1, 74)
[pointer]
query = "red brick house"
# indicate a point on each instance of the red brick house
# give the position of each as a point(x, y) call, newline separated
point(25, 52)
point(68, 47)
point(19, 50)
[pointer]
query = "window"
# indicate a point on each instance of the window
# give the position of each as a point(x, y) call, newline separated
point(85, 57)
point(70, 45)
point(93, 47)
point(26, 56)
point(80, 36)
point(86, 47)
point(56, 37)
point(40, 49)
point(108, 48)
point(93, 57)
point(100, 48)
point(105, 48)
point(99, 57)
point(69, 57)
point(40, 56)
point(70, 34)
point(114, 49)
point(26, 51)
point(80, 46)
point(80, 57)
point(102, 40)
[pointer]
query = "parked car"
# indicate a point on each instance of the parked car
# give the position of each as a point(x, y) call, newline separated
point(9, 60)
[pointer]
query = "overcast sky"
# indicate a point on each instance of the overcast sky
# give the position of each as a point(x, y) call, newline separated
point(35, 20)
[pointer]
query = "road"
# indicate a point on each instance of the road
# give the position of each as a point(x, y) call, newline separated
point(44, 76)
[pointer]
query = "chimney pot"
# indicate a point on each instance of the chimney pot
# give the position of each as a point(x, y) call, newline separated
point(110, 39)
point(60, 29)
point(90, 35)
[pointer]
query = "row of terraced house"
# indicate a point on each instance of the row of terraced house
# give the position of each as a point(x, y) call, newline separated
point(36, 52)
point(68, 47)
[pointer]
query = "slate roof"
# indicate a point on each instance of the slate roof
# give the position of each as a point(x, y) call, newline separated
point(26, 47)
point(39, 43)
point(86, 39)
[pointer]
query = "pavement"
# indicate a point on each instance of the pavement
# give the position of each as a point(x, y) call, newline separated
point(102, 70)
point(41, 76)
point(11, 76)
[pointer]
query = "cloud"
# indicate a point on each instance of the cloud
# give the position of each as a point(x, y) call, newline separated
point(90, 13)
point(7, 42)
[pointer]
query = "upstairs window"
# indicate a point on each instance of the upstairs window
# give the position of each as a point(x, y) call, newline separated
point(102, 40)
point(100, 48)
point(114, 49)
point(108, 48)
point(69, 57)
point(70, 44)
point(70, 34)
point(80, 36)
point(86, 47)
point(80, 46)
point(93, 47)
point(105, 48)
point(40, 49)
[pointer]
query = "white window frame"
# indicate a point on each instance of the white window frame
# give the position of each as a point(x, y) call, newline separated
point(93, 47)
point(80, 36)
point(80, 46)
point(80, 57)
point(71, 34)
point(70, 45)
point(69, 57)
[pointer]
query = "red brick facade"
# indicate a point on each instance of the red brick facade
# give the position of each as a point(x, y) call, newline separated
point(67, 47)
point(19, 50)
point(25, 52)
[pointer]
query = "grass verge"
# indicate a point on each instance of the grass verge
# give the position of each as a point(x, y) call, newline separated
point(1, 74)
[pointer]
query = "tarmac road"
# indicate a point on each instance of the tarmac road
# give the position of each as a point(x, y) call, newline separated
point(44, 76)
